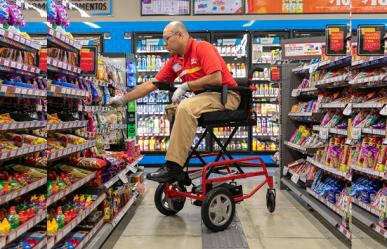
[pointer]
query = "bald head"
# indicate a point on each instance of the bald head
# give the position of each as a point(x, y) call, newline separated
point(176, 26)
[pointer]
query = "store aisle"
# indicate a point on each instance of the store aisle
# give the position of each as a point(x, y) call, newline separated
point(291, 226)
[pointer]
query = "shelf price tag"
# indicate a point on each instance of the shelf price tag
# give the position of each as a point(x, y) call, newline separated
point(348, 110)
point(295, 178)
point(123, 177)
point(324, 133)
point(384, 111)
point(356, 133)
point(285, 171)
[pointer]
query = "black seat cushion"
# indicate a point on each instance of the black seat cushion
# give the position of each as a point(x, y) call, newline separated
point(223, 118)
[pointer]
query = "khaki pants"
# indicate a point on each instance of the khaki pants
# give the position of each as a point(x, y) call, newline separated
point(186, 121)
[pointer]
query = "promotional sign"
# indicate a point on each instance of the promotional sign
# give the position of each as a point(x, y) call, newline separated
point(165, 7)
point(370, 40)
point(88, 62)
point(314, 6)
point(303, 49)
point(91, 7)
point(210, 7)
point(43, 59)
point(336, 40)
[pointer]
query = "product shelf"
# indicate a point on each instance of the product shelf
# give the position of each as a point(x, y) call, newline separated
point(122, 174)
point(302, 149)
point(42, 244)
point(102, 234)
point(19, 231)
point(22, 125)
point(67, 125)
point(70, 226)
point(369, 104)
point(336, 172)
point(326, 203)
point(62, 67)
point(327, 213)
point(17, 40)
point(306, 116)
point(367, 207)
point(336, 131)
point(295, 176)
point(334, 105)
point(379, 132)
point(371, 172)
point(369, 220)
point(372, 81)
point(71, 149)
point(90, 235)
point(14, 194)
point(94, 108)
point(65, 92)
point(152, 52)
point(11, 66)
point(334, 82)
point(17, 91)
point(304, 68)
point(372, 63)
point(63, 40)
point(310, 91)
point(59, 195)
point(339, 63)
point(22, 151)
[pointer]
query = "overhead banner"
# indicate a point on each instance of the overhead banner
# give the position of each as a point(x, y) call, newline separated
point(91, 7)
point(314, 6)
point(165, 7)
point(211, 7)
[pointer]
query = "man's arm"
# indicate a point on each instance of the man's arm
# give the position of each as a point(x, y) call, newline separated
point(136, 93)
point(141, 90)
point(214, 79)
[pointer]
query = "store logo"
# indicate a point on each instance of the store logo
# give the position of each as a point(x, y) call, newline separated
point(194, 61)
point(176, 67)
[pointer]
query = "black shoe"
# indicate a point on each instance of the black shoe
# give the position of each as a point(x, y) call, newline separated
point(168, 173)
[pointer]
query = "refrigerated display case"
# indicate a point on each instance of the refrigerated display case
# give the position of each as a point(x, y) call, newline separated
point(153, 128)
point(234, 48)
point(266, 53)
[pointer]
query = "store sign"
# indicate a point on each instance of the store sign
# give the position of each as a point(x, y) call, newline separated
point(210, 7)
point(336, 40)
point(315, 6)
point(43, 59)
point(165, 7)
point(303, 49)
point(370, 40)
point(89, 60)
point(91, 7)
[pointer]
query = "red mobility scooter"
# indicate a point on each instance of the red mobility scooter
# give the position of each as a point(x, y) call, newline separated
point(217, 191)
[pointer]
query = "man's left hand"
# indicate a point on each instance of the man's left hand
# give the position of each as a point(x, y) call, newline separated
point(180, 91)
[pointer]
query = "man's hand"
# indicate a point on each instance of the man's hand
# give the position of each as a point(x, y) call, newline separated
point(117, 101)
point(180, 91)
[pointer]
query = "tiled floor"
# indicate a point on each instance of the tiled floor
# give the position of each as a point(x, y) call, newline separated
point(291, 226)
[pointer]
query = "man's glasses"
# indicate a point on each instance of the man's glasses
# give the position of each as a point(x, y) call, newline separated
point(166, 38)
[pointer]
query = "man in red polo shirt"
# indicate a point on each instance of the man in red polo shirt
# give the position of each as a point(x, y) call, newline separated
point(198, 64)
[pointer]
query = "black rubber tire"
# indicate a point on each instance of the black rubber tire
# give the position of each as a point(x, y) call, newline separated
point(206, 205)
point(270, 200)
point(177, 204)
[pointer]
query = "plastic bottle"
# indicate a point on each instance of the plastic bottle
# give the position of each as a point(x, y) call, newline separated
point(60, 218)
point(152, 142)
point(13, 217)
